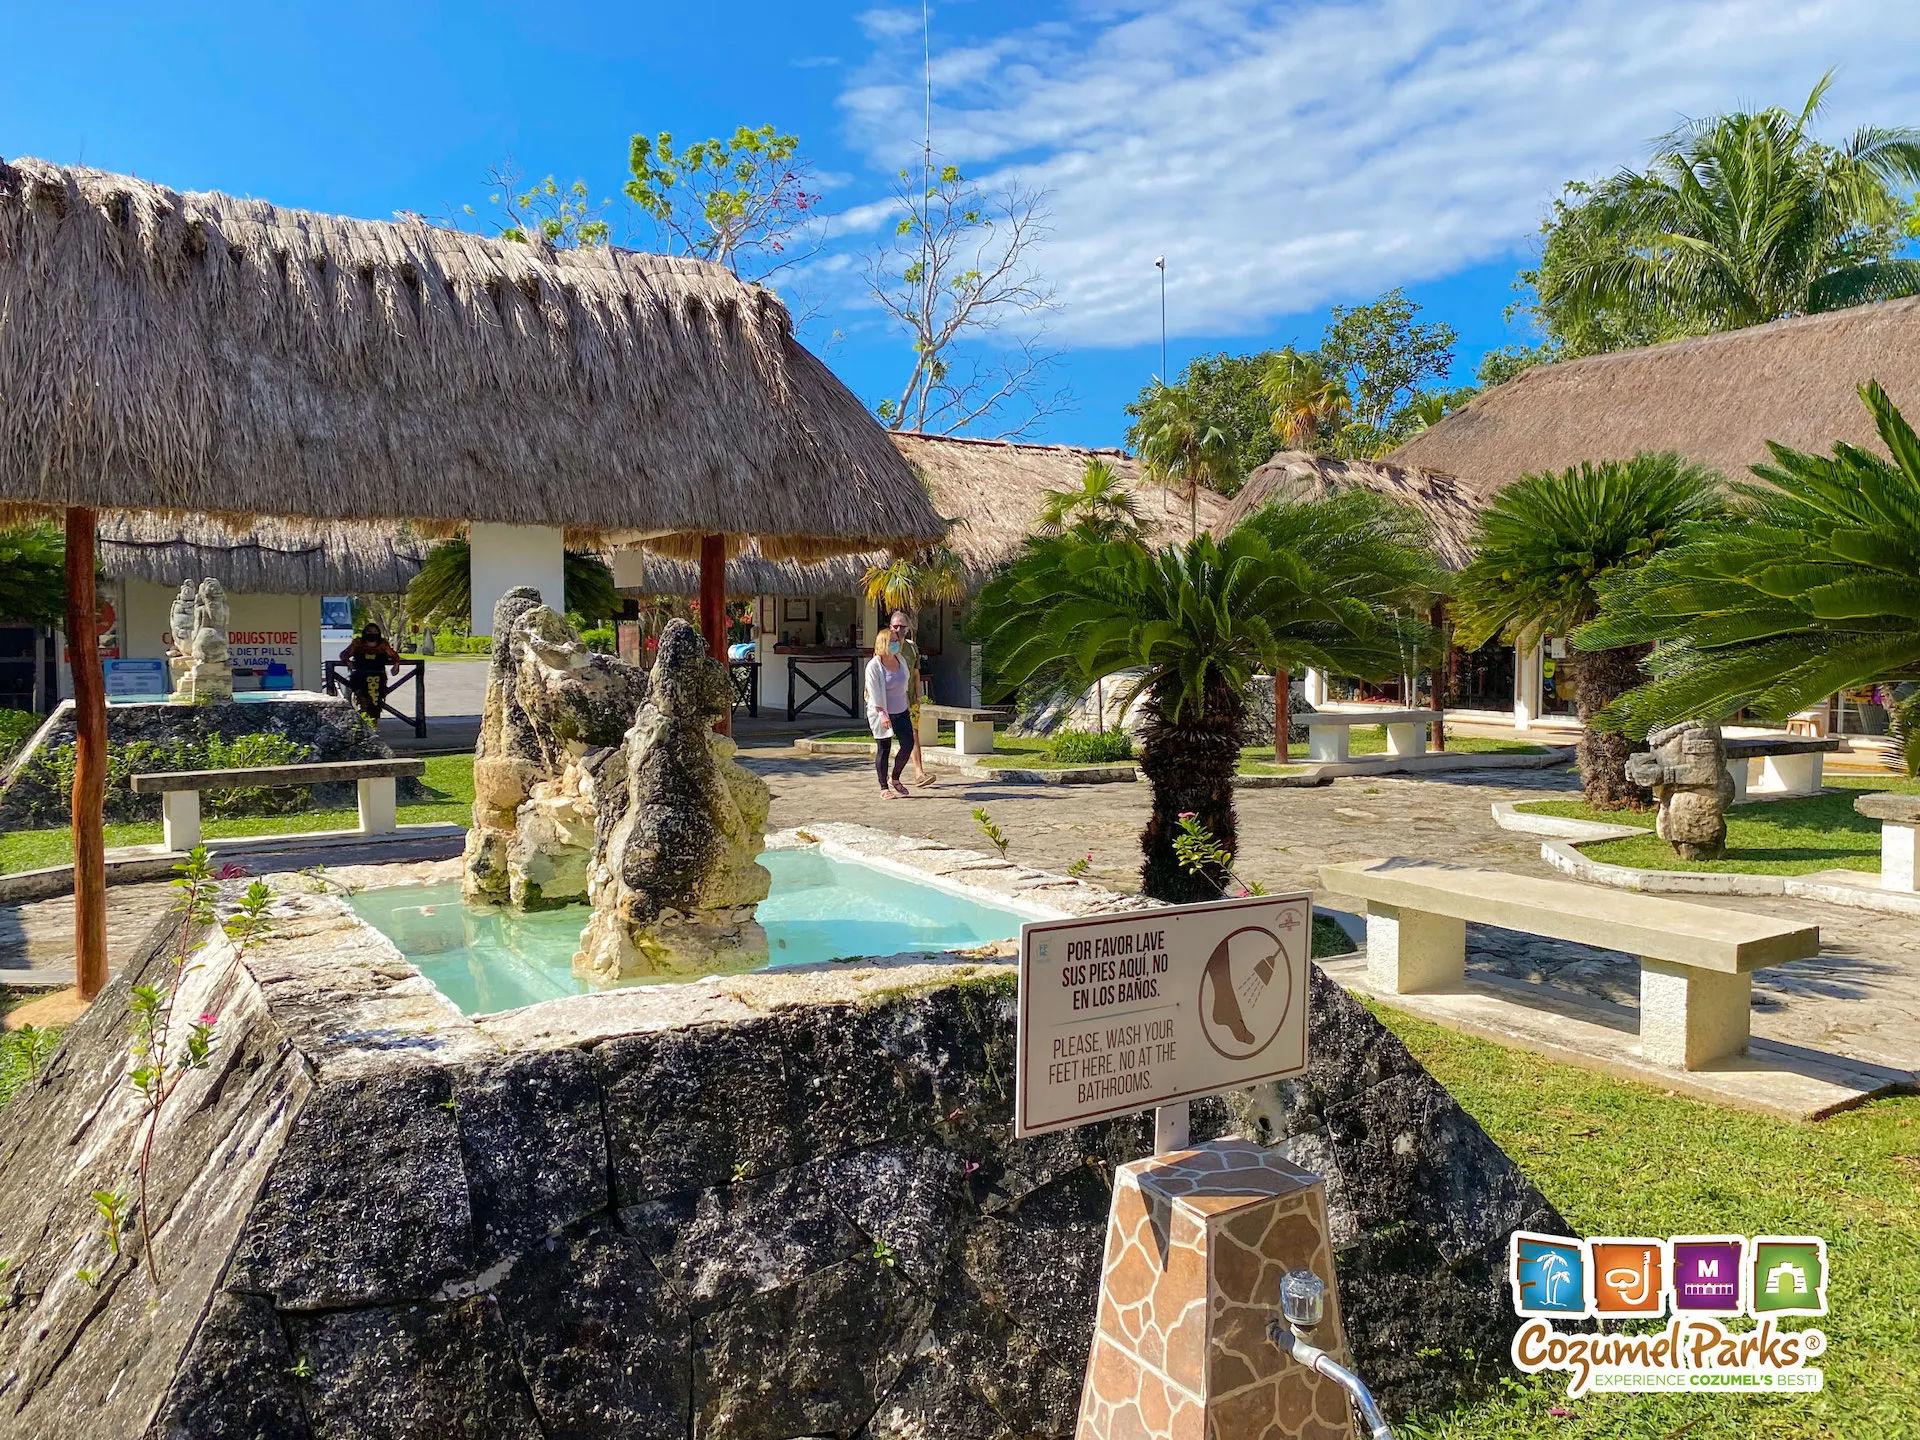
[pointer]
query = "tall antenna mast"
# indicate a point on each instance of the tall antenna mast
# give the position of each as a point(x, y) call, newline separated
point(926, 150)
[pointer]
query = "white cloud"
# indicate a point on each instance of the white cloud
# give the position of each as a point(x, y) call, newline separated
point(1284, 155)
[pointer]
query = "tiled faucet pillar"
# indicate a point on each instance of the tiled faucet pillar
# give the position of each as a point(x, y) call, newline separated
point(1196, 1244)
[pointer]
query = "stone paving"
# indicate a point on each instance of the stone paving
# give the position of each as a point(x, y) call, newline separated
point(1860, 997)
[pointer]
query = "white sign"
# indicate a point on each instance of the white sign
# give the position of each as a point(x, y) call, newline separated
point(1121, 1012)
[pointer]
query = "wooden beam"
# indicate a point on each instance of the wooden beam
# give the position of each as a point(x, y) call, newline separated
point(1438, 679)
point(1282, 713)
point(90, 761)
point(713, 609)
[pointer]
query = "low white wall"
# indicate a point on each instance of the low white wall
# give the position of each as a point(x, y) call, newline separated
point(503, 556)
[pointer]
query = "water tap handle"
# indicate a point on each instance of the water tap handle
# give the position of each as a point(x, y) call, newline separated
point(1303, 1299)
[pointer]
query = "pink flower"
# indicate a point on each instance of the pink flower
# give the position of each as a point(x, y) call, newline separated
point(1561, 1411)
point(231, 871)
point(208, 1019)
point(1188, 814)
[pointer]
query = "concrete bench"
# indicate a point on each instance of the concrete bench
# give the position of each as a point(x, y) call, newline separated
point(1789, 764)
point(179, 791)
point(972, 728)
point(1898, 816)
point(1329, 732)
point(1696, 987)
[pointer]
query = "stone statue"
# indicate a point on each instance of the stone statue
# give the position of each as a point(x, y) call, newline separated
point(1685, 765)
point(553, 714)
point(677, 876)
point(202, 673)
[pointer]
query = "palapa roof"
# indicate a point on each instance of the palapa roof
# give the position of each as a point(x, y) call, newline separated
point(200, 353)
point(1296, 475)
point(1717, 399)
point(270, 557)
point(993, 492)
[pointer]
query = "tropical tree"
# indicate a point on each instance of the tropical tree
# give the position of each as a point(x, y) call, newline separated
point(1814, 587)
point(1740, 219)
point(1545, 546)
point(1100, 507)
point(742, 202)
point(443, 590)
point(1320, 581)
point(1307, 398)
point(1227, 390)
point(909, 582)
point(1182, 447)
point(33, 574)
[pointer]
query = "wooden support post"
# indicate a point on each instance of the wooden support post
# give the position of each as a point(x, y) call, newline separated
point(1438, 619)
point(713, 609)
point(90, 761)
point(1282, 713)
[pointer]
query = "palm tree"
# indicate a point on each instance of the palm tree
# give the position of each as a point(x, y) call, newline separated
point(1316, 581)
point(1182, 446)
point(1308, 396)
point(1814, 587)
point(443, 590)
point(1545, 546)
point(1742, 219)
point(1100, 507)
point(909, 582)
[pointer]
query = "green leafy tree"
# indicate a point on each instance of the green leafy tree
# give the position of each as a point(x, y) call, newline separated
point(957, 274)
point(33, 575)
point(1501, 364)
point(1324, 582)
point(1739, 219)
point(1813, 587)
point(1181, 446)
point(563, 216)
point(1100, 507)
point(1227, 389)
point(442, 593)
point(1308, 400)
point(742, 202)
point(1427, 408)
point(1386, 355)
point(1546, 545)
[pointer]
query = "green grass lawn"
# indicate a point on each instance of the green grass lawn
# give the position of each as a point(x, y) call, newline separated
point(1764, 837)
point(1623, 1159)
point(448, 777)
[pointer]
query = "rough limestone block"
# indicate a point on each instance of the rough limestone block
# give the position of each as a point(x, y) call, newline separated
point(1690, 1018)
point(1410, 952)
point(1196, 1246)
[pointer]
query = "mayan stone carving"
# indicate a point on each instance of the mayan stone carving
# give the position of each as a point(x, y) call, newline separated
point(202, 673)
point(1685, 765)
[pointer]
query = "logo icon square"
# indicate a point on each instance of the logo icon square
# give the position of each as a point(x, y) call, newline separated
point(1629, 1277)
point(1548, 1274)
point(1789, 1275)
point(1706, 1273)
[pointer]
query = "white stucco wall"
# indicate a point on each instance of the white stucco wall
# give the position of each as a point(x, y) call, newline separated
point(261, 627)
point(503, 556)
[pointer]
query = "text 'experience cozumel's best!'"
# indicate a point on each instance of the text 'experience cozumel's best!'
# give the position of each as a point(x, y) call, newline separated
point(1121, 1012)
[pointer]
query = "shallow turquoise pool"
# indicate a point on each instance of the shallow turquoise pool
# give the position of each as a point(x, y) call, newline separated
point(486, 959)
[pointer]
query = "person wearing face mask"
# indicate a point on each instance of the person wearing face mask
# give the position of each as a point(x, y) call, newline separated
point(900, 626)
point(888, 716)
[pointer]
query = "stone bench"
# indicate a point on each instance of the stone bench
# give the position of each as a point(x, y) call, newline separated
point(1329, 732)
point(972, 727)
point(1696, 987)
point(1790, 764)
point(179, 791)
point(1898, 816)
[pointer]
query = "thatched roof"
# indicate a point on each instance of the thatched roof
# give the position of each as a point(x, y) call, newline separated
point(992, 490)
point(1296, 475)
point(201, 353)
point(1717, 399)
point(270, 557)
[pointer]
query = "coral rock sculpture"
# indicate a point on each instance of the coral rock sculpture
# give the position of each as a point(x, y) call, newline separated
point(1686, 767)
point(198, 663)
point(676, 879)
point(555, 713)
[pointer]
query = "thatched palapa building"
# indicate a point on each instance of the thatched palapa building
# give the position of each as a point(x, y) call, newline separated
point(1717, 399)
point(993, 492)
point(1295, 475)
point(197, 353)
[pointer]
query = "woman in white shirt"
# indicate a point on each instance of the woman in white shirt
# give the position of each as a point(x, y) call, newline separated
point(888, 715)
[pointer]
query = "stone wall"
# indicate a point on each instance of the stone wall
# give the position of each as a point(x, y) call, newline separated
point(758, 1206)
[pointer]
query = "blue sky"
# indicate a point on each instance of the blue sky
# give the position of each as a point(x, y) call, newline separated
point(1284, 156)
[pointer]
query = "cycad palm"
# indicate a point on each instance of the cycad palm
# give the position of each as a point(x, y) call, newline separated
point(1743, 219)
point(1308, 398)
point(1545, 545)
point(442, 591)
point(1317, 583)
point(1100, 507)
point(1814, 587)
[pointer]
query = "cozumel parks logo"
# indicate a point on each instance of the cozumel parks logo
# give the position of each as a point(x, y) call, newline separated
point(1701, 1284)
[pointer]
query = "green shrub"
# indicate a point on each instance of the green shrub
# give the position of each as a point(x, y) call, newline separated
point(22, 1053)
point(16, 728)
point(601, 640)
point(447, 643)
point(40, 790)
point(1089, 747)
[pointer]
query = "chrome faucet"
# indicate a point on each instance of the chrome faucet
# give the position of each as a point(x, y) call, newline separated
point(1303, 1303)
